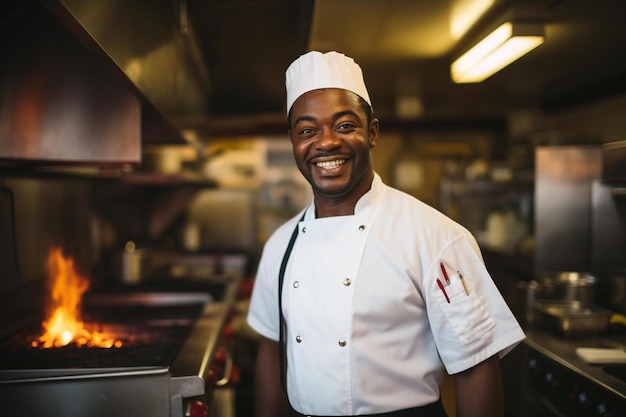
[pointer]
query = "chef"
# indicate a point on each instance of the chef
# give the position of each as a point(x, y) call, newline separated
point(381, 295)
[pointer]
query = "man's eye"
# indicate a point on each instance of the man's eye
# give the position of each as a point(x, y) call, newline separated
point(306, 131)
point(345, 126)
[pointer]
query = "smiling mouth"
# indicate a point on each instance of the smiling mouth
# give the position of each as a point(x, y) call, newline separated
point(330, 164)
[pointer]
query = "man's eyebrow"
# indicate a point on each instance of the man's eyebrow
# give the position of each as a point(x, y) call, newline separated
point(304, 119)
point(335, 116)
point(344, 113)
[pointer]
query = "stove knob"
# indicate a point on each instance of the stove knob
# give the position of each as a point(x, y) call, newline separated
point(198, 409)
point(235, 375)
point(551, 380)
point(534, 366)
point(583, 400)
point(220, 355)
point(211, 377)
point(603, 411)
point(228, 331)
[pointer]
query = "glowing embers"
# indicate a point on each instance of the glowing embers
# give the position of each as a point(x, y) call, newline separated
point(63, 325)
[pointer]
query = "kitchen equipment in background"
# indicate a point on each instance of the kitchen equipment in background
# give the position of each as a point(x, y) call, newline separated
point(613, 168)
point(135, 263)
point(616, 291)
point(522, 297)
point(608, 229)
point(174, 353)
point(558, 383)
point(563, 207)
point(573, 318)
point(571, 286)
point(226, 220)
point(8, 246)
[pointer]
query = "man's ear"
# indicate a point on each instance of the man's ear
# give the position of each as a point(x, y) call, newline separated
point(373, 133)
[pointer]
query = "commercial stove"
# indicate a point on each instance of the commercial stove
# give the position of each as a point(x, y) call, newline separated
point(558, 383)
point(169, 353)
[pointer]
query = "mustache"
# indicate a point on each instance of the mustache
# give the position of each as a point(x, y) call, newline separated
point(335, 155)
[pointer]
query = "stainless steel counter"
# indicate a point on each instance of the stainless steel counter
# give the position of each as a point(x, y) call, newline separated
point(563, 351)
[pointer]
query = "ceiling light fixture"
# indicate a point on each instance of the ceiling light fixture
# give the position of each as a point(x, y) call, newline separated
point(504, 45)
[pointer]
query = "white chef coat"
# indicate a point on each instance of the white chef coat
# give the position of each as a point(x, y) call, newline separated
point(368, 329)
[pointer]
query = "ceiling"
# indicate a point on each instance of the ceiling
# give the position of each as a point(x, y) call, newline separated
point(216, 67)
point(405, 49)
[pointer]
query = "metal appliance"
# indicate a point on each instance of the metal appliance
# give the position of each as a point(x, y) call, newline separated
point(613, 169)
point(175, 350)
point(558, 383)
point(563, 208)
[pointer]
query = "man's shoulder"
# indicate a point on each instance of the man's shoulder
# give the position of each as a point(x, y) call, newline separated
point(404, 204)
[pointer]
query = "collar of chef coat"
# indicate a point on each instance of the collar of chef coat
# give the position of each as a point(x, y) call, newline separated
point(366, 206)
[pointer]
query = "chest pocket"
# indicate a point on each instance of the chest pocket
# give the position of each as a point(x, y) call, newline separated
point(465, 312)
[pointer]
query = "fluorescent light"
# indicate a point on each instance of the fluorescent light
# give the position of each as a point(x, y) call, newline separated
point(501, 47)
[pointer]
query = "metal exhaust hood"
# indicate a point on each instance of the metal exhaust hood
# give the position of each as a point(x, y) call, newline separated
point(151, 42)
point(88, 82)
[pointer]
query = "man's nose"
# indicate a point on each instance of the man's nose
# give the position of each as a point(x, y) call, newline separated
point(328, 139)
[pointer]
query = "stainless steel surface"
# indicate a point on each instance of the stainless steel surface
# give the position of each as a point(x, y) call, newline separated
point(131, 394)
point(613, 167)
point(616, 291)
point(563, 351)
point(558, 383)
point(152, 45)
point(608, 230)
point(563, 209)
point(59, 103)
point(160, 390)
point(571, 285)
point(573, 317)
point(522, 297)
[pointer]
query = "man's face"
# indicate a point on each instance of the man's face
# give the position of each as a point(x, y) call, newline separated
point(331, 143)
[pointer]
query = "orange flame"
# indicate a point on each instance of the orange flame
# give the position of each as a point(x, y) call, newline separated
point(64, 325)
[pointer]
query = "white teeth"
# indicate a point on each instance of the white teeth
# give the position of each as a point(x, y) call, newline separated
point(331, 164)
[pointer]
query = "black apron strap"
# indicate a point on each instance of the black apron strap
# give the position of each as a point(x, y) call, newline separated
point(282, 343)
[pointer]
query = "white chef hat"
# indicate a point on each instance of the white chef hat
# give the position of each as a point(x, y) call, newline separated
point(315, 70)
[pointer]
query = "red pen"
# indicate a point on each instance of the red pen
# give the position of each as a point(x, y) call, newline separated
point(441, 287)
point(445, 274)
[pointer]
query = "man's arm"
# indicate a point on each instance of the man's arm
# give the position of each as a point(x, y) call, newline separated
point(270, 399)
point(479, 390)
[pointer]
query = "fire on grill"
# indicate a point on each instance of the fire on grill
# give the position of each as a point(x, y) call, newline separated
point(64, 325)
point(115, 350)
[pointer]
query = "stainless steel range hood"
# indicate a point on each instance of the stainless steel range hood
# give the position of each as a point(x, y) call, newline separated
point(88, 82)
point(150, 42)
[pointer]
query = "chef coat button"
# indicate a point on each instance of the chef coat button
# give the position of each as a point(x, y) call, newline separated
point(342, 342)
point(303, 229)
point(362, 227)
point(299, 339)
point(347, 282)
point(296, 284)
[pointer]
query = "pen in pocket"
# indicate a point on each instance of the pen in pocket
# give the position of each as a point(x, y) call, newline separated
point(444, 272)
point(443, 290)
point(463, 282)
